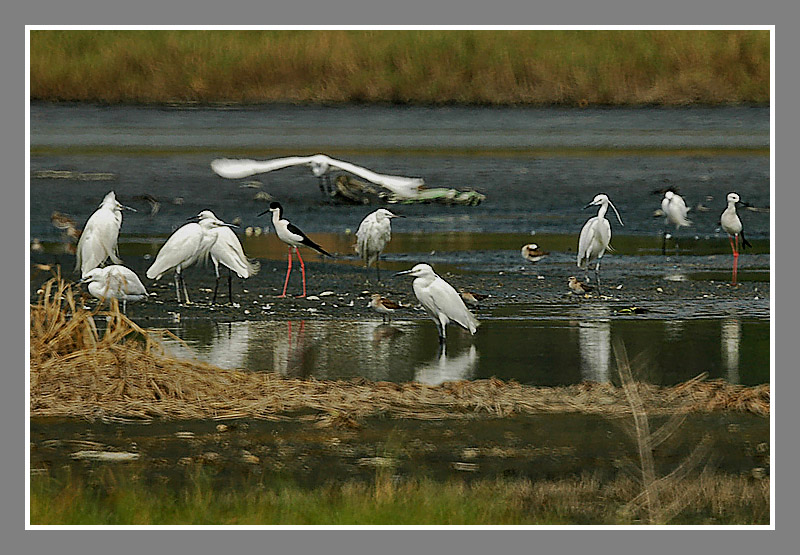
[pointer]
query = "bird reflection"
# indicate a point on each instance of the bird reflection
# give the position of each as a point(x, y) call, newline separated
point(731, 338)
point(230, 344)
point(448, 368)
point(673, 330)
point(288, 353)
point(594, 344)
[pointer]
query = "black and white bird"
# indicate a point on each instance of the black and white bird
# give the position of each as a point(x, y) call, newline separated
point(320, 164)
point(295, 238)
point(98, 241)
point(674, 209)
point(115, 282)
point(733, 227)
point(532, 253)
point(373, 235)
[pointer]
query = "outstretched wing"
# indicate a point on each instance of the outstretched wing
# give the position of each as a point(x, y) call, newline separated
point(404, 187)
point(237, 169)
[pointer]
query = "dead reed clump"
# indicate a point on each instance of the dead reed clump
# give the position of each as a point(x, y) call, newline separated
point(81, 369)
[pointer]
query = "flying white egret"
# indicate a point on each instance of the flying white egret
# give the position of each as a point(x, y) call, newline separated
point(596, 236)
point(228, 251)
point(186, 246)
point(115, 282)
point(442, 303)
point(383, 306)
point(373, 235)
point(733, 227)
point(98, 240)
point(675, 210)
point(320, 164)
point(533, 253)
point(294, 237)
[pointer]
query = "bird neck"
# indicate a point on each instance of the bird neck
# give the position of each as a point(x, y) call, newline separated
point(276, 217)
point(602, 212)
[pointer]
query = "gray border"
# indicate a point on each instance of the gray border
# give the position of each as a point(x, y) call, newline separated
point(360, 12)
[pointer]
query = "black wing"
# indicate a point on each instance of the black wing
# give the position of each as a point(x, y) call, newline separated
point(306, 241)
point(745, 242)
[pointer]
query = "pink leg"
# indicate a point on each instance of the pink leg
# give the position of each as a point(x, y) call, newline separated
point(736, 260)
point(288, 271)
point(302, 270)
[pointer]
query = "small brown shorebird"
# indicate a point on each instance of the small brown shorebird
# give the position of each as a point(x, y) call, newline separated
point(384, 307)
point(532, 253)
point(472, 299)
point(578, 287)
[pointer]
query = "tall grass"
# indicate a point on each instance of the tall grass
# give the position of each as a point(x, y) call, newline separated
point(406, 67)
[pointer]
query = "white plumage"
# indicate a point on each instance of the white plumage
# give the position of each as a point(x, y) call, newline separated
point(228, 251)
point(115, 282)
point(442, 303)
point(320, 164)
point(98, 241)
point(373, 235)
point(675, 210)
point(595, 236)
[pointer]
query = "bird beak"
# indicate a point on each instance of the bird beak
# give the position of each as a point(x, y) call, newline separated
point(230, 225)
point(193, 219)
point(128, 208)
point(264, 212)
point(397, 216)
point(404, 272)
point(85, 280)
point(742, 203)
point(588, 205)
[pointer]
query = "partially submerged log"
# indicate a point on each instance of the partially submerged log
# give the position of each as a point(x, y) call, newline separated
point(353, 191)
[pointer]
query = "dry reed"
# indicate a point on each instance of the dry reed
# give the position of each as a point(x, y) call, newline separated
point(122, 372)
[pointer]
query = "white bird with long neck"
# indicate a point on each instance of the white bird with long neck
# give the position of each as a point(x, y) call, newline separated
point(373, 235)
point(733, 227)
point(115, 282)
point(320, 164)
point(98, 242)
point(440, 300)
point(295, 238)
point(190, 243)
point(675, 210)
point(228, 251)
point(595, 236)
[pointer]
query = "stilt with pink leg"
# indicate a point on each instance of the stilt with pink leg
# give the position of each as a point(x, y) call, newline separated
point(733, 227)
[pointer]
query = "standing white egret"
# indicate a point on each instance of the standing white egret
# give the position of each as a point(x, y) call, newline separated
point(186, 246)
point(373, 235)
point(320, 164)
point(228, 251)
point(733, 227)
point(115, 282)
point(99, 237)
point(596, 236)
point(442, 303)
point(675, 210)
point(294, 237)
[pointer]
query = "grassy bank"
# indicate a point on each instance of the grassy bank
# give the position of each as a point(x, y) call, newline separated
point(416, 67)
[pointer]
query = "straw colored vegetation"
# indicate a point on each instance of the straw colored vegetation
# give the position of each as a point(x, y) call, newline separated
point(78, 371)
point(406, 67)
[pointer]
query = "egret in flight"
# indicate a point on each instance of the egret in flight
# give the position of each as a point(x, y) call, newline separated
point(98, 240)
point(294, 237)
point(733, 227)
point(190, 243)
point(228, 251)
point(595, 236)
point(115, 282)
point(320, 164)
point(373, 235)
point(674, 208)
point(442, 303)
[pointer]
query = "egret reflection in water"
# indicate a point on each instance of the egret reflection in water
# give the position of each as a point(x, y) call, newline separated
point(594, 344)
point(446, 368)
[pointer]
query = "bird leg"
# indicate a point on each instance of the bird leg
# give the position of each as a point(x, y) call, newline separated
point(378, 267)
point(664, 243)
point(288, 271)
point(177, 286)
point(322, 184)
point(216, 285)
point(442, 333)
point(185, 291)
point(597, 275)
point(302, 270)
point(735, 257)
point(230, 295)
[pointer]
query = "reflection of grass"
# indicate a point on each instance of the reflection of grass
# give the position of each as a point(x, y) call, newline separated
point(120, 497)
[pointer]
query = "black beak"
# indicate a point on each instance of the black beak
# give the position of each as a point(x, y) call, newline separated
point(587, 206)
point(264, 212)
point(193, 219)
point(742, 203)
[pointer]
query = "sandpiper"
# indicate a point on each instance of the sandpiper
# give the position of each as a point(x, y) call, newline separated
point(384, 307)
point(579, 287)
point(532, 253)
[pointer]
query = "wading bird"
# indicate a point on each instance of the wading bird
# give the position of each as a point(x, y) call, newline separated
point(228, 251)
point(472, 299)
point(442, 303)
point(733, 227)
point(532, 253)
point(98, 240)
point(320, 164)
point(292, 236)
point(675, 210)
point(190, 243)
point(384, 307)
point(115, 282)
point(373, 235)
point(595, 236)
point(578, 287)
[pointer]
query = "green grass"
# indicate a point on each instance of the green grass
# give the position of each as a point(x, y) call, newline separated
point(405, 67)
point(120, 497)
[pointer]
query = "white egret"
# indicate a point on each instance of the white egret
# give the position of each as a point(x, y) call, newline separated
point(383, 306)
point(532, 253)
point(186, 246)
point(294, 237)
point(98, 240)
point(675, 210)
point(228, 251)
point(595, 236)
point(373, 235)
point(320, 164)
point(733, 227)
point(579, 287)
point(115, 282)
point(442, 303)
